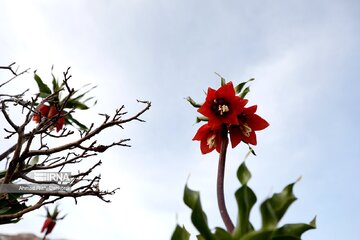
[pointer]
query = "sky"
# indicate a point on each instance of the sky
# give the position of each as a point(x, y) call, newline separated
point(303, 55)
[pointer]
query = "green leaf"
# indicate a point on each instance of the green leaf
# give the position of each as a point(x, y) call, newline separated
point(201, 119)
point(274, 208)
point(223, 81)
point(70, 120)
point(268, 216)
point(180, 233)
point(258, 235)
point(295, 229)
point(193, 103)
point(43, 88)
point(251, 150)
point(11, 205)
point(72, 103)
point(3, 173)
point(245, 199)
point(245, 92)
point(6, 221)
point(240, 86)
point(221, 234)
point(4, 210)
point(243, 174)
point(83, 94)
point(198, 217)
point(55, 84)
point(285, 238)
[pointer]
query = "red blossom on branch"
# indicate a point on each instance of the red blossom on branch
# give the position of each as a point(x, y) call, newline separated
point(50, 112)
point(41, 111)
point(53, 105)
point(54, 113)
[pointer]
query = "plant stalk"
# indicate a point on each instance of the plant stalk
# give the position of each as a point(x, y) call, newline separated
point(220, 182)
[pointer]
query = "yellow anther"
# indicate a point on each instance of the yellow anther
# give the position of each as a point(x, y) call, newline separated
point(246, 130)
point(223, 109)
point(211, 141)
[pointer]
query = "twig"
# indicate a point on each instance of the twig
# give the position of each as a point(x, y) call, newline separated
point(9, 68)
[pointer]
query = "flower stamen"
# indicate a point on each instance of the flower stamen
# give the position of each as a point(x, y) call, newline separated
point(211, 141)
point(223, 109)
point(246, 130)
point(220, 107)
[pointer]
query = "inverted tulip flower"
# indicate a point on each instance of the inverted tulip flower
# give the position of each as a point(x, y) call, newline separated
point(54, 113)
point(209, 139)
point(249, 122)
point(50, 221)
point(48, 226)
point(50, 112)
point(41, 111)
point(56, 108)
point(222, 106)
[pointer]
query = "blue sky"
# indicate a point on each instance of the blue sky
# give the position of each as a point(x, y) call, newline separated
point(303, 54)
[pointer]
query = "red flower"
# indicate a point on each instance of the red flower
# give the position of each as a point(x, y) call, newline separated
point(54, 113)
point(222, 106)
point(50, 112)
point(49, 225)
point(60, 123)
point(209, 139)
point(41, 111)
point(249, 122)
point(50, 220)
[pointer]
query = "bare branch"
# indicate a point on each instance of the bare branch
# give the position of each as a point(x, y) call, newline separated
point(24, 156)
point(9, 68)
point(14, 72)
point(91, 134)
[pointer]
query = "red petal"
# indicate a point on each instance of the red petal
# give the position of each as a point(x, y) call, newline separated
point(43, 109)
point(211, 93)
point(226, 90)
point(251, 139)
point(36, 118)
point(204, 147)
point(256, 122)
point(46, 224)
point(60, 124)
point(204, 129)
point(205, 109)
point(50, 227)
point(235, 136)
point(250, 110)
point(202, 135)
point(52, 112)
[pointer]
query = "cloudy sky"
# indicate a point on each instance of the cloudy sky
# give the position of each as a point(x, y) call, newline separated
point(303, 54)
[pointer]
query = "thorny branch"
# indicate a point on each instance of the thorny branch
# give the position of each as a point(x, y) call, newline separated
point(38, 143)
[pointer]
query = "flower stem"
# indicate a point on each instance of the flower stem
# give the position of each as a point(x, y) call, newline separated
point(220, 182)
